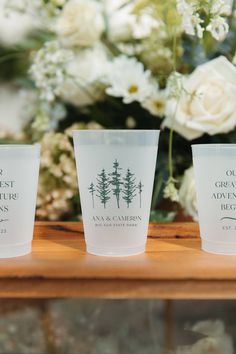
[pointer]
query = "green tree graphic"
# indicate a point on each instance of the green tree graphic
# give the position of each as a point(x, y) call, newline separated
point(103, 188)
point(129, 187)
point(116, 181)
point(92, 191)
point(140, 190)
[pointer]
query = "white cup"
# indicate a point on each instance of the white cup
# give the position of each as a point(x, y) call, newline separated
point(115, 172)
point(215, 174)
point(19, 170)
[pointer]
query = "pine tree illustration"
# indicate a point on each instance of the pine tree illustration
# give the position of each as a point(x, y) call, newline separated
point(91, 191)
point(116, 181)
point(103, 188)
point(129, 187)
point(140, 190)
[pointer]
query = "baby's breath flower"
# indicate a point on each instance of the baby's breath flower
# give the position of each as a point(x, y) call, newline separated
point(49, 69)
point(191, 21)
point(175, 85)
point(170, 191)
point(58, 181)
point(47, 116)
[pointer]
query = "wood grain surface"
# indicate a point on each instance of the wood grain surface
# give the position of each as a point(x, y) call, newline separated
point(173, 267)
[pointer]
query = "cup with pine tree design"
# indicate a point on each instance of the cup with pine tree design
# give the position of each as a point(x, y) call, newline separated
point(115, 171)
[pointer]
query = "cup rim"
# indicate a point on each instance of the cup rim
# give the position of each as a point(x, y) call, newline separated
point(19, 146)
point(214, 146)
point(115, 130)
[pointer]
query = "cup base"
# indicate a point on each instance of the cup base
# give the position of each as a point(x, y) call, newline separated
point(222, 248)
point(11, 251)
point(115, 252)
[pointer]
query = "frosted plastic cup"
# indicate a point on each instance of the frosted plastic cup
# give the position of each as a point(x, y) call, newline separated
point(215, 174)
point(19, 170)
point(115, 172)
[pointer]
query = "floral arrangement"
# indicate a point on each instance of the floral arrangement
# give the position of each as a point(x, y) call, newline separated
point(139, 64)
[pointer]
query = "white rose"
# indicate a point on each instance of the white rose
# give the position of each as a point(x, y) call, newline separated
point(187, 194)
point(81, 23)
point(85, 73)
point(207, 103)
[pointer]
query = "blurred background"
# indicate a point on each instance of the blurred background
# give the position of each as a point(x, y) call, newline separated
point(117, 64)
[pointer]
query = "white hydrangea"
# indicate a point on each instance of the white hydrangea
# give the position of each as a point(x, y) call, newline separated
point(187, 194)
point(124, 25)
point(128, 79)
point(80, 23)
point(85, 72)
point(49, 69)
point(13, 115)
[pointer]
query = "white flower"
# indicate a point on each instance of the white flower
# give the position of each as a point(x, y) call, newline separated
point(192, 25)
point(207, 103)
point(119, 20)
point(175, 85)
point(187, 194)
point(15, 26)
point(13, 115)
point(191, 21)
point(170, 191)
point(143, 25)
point(48, 69)
point(124, 24)
point(156, 104)
point(218, 27)
point(222, 7)
point(47, 116)
point(85, 72)
point(128, 79)
point(80, 23)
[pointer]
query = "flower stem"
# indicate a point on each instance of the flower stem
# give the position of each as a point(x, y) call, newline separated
point(170, 151)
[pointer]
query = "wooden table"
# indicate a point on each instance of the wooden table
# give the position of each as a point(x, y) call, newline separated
point(173, 267)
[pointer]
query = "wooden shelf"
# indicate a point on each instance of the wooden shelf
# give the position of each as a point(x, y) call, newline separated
point(173, 267)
